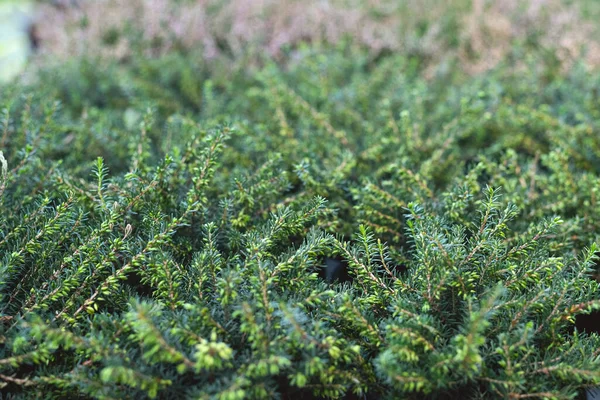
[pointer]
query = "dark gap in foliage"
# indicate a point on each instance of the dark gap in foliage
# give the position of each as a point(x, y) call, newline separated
point(335, 270)
point(136, 281)
point(588, 323)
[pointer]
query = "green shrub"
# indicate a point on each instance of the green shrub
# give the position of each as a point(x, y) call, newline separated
point(167, 228)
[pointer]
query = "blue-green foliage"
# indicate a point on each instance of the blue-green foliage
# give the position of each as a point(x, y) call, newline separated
point(164, 228)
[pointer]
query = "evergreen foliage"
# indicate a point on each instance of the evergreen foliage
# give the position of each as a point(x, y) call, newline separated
point(166, 229)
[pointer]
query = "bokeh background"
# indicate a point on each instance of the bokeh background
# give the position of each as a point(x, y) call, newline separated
point(471, 35)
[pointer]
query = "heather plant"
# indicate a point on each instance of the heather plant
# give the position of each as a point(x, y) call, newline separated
point(476, 34)
point(169, 228)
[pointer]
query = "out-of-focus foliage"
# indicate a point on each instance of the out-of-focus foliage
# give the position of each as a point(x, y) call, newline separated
point(476, 34)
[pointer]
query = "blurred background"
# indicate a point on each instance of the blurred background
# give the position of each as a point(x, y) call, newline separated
point(472, 36)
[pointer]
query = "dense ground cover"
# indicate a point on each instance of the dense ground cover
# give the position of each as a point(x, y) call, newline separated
point(330, 224)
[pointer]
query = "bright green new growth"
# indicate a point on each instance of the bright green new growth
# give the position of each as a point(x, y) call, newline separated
point(161, 252)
